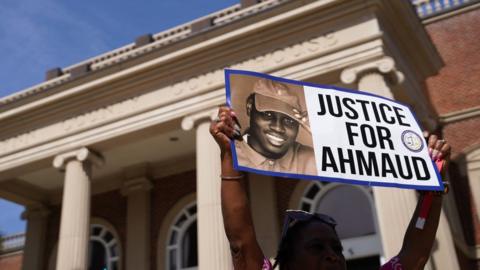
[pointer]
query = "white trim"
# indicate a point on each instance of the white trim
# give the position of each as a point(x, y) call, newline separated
point(180, 231)
point(460, 115)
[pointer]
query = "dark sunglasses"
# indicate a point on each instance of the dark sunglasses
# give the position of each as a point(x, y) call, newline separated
point(292, 217)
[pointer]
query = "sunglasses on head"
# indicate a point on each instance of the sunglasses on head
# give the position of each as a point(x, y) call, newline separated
point(292, 217)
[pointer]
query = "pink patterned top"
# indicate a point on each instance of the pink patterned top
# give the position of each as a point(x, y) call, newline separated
point(393, 264)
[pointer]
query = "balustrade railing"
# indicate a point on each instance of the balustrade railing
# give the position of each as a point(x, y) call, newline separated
point(12, 243)
point(429, 8)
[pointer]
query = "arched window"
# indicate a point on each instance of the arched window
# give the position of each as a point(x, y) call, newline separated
point(182, 240)
point(352, 207)
point(103, 249)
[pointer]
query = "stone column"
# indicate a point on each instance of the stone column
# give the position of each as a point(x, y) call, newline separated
point(137, 253)
point(213, 247)
point(264, 212)
point(33, 252)
point(395, 206)
point(75, 219)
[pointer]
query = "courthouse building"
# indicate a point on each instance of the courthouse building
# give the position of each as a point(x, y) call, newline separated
point(114, 163)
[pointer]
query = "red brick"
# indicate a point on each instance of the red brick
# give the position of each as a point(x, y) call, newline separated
point(11, 261)
point(165, 194)
point(457, 86)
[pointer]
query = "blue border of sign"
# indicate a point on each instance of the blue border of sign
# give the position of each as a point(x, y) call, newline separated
point(229, 72)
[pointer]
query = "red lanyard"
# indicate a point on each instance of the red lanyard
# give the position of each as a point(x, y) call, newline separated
point(427, 202)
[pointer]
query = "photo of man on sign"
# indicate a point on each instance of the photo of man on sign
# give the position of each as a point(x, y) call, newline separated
point(301, 130)
point(275, 123)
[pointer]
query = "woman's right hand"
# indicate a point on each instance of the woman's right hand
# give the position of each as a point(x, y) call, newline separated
point(222, 128)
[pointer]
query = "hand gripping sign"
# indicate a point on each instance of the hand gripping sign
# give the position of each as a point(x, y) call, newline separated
point(303, 130)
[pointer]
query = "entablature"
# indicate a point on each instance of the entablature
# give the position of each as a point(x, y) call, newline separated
point(318, 38)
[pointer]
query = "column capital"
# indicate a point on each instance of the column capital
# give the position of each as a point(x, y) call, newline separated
point(35, 212)
point(192, 120)
point(82, 154)
point(385, 66)
point(136, 184)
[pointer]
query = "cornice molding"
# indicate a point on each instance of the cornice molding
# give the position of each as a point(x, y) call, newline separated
point(208, 44)
point(192, 120)
point(163, 97)
point(312, 56)
point(48, 147)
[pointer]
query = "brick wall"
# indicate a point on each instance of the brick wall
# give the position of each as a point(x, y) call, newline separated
point(11, 261)
point(165, 194)
point(112, 207)
point(456, 88)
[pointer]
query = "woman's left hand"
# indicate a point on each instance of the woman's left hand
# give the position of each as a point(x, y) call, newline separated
point(438, 149)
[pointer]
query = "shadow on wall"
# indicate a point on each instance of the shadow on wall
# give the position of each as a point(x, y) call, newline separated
point(463, 200)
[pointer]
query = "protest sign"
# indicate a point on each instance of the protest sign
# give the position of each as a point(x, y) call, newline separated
point(303, 130)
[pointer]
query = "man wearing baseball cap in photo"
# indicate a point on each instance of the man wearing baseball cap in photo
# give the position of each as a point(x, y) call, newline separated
point(271, 140)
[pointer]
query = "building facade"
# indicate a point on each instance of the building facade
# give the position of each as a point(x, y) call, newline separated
point(114, 163)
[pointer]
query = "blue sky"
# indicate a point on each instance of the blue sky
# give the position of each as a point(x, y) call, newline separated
point(40, 35)
point(36, 36)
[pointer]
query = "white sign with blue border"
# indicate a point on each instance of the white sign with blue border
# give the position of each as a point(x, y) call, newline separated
point(307, 131)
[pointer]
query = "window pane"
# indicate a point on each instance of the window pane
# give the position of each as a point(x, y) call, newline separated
point(98, 256)
point(173, 259)
point(173, 238)
point(108, 237)
point(312, 192)
point(192, 210)
point(189, 246)
point(306, 207)
point(114, 266)
point(96, 231)
point(181, 220)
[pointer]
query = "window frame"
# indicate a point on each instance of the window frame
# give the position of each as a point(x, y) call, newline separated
point(180, 230)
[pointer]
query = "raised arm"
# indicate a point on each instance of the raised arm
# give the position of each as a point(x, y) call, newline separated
point(417, 243)
point(246, 253)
